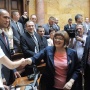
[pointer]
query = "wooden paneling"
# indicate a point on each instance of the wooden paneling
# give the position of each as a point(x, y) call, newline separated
point(12, 5)
point(2, 3)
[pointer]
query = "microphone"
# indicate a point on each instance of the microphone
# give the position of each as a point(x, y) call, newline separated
point(35, 71)
point(35, 79)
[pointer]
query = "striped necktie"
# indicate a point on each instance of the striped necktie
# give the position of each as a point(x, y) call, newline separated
point(4, 37)
point(36, 42)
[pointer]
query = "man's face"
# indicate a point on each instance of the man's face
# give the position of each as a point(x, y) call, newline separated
point(41, 31)
point(80, 19)
point(70, 22)
point(34, 18)
point(17, 16)
point(25, 13)
point(30, 27)
point(51, 22)
point(87, 20)
point(4, 19)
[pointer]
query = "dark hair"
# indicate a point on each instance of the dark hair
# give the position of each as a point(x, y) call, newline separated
point(64, 34)
point(70, 19)
point(51, 30)
point(77, 17)
point(39, 27)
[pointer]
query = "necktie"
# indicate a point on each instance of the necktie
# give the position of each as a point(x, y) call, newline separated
point(70, 26)
point(18, 27)
point(36, 42)
point(3, 35)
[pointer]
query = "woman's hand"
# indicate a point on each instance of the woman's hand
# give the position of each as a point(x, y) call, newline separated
point(68, 85)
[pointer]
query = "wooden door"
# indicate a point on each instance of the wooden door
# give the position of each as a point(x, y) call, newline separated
point(12, 5)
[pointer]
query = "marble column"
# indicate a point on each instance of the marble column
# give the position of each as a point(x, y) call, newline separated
point(40, 11)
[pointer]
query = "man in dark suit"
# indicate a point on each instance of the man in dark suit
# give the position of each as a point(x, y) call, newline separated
point(23, 19)
point(70, 27)
point(17, 30)
point(7, 74)
point(49, 25)
point(86, 64)
point(42, 39)
point(29, 42)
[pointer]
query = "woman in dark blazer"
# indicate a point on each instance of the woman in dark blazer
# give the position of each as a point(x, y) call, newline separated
point(62, 70)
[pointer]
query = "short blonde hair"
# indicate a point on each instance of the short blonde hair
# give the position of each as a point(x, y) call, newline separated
point(65, 35)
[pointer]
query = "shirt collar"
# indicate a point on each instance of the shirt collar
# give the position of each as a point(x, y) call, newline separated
point(30, 33)
point(1, 30)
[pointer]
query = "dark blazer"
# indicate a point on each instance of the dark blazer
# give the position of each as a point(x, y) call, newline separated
point(16, 34)
point(42, 42)
point(66, 27)
point(23, 20)
point(48, 76)
point(28, 45)
point(85, 65)
point(86, 53)
point(5, 71)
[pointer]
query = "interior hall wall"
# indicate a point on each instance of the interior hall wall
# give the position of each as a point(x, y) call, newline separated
point(63, 9)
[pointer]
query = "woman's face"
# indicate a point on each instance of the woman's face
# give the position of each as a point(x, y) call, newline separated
point(52, 34)
point(59, 41)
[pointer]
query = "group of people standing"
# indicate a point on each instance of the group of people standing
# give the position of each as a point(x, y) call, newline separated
point(66, 58)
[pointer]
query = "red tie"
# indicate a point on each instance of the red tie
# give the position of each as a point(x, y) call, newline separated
point(3, 34)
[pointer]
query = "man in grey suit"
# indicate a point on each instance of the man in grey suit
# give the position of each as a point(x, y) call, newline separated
point(17, 30)
point(7, 74)
point(49, 25)
point(86, 25)
point(56, 23)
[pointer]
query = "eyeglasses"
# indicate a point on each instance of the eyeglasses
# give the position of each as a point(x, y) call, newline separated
point(58, 39)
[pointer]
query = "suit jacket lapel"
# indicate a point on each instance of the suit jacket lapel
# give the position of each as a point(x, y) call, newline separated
point(51, 58)
point(69, 61)
point(7, 46)
point(30, 38)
